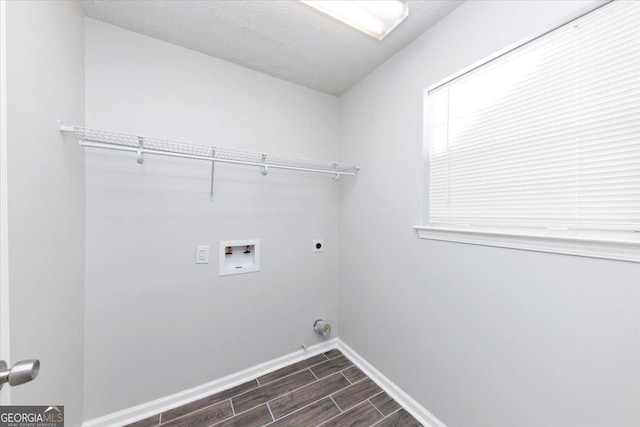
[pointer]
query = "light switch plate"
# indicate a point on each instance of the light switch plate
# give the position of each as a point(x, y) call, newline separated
point(202, 254)
point(318, 245)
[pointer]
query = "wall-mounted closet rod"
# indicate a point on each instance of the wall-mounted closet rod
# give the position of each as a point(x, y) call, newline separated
point(95, 138)
point(92, 144)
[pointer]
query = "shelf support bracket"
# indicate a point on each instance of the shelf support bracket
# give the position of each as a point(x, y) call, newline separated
point(336, 176)
point(213, 172)
point(64, 127)
point(263, 168)
point(140, 155)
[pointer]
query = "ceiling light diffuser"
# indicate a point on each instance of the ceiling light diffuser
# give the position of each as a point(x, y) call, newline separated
point(374, 18)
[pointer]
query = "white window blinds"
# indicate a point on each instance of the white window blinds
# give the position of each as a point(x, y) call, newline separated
point(546, 136)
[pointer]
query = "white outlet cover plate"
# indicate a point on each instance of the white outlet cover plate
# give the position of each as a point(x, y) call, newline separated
point(316, 242)
point(202, 254)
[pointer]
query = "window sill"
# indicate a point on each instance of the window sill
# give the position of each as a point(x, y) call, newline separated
point(613, 245)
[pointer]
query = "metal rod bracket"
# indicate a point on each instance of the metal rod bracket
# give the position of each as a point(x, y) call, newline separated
point(213, 173)
point(65, 128)
point(140, 155)
point(263, 168)
point(335, 177)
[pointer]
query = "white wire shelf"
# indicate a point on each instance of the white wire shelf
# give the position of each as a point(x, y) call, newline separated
point(141, 145)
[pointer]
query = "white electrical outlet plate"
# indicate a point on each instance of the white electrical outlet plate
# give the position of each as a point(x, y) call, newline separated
point(318, 245)
point(202, 254)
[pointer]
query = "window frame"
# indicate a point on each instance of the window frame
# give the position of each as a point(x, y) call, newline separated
point(616, 245)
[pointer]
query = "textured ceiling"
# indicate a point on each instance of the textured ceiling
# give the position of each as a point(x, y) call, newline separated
point(282, 38)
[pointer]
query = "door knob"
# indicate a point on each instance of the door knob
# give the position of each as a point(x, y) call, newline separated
point(22, 372)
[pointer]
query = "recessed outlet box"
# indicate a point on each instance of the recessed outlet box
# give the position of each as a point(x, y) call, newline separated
point(239, 256)
point(318, 245)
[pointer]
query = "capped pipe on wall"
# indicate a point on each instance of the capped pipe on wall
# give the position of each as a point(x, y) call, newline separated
point(321, 327)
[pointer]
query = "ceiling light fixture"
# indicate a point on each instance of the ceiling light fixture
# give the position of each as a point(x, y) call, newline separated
point(374, 18)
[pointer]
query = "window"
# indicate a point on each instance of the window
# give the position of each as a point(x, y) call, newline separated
point(540, 148)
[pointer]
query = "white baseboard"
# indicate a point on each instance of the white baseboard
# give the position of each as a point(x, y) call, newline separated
point(145, 410)
point(418, 411)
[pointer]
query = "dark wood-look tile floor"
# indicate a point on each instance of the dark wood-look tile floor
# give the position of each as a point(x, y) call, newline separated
point(326, 390)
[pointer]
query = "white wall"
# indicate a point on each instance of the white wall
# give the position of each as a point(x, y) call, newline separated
point(480, 336)
point(157, 323)
point(45, 82)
